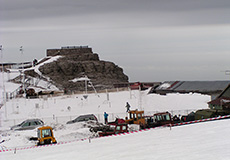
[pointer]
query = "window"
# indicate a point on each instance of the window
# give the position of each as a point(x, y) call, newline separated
point(134, 116)
point(149, 119)
point(139, 116)
point(39, 122)
point(46, 133)
point(33, 123)
point(118, 128)
point(80, 119)
point(166, 117)
point(26, 124)
point(158, 117)
point(124, 128)
point(130, 115)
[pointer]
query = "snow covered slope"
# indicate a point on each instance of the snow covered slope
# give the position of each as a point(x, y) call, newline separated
point(54, 111)
point(63, 108)
point(207, 140)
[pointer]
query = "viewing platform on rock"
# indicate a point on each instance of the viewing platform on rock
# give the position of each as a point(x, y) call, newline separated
point(68, 50)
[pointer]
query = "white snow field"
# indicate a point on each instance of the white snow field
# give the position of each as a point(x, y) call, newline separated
point(206, 140)
point(54, 111)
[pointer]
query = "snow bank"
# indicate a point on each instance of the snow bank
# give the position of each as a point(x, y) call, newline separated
point(197, 141)
point(80, 79)
point(51, 59)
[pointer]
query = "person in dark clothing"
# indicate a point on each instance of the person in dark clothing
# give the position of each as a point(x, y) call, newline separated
point(106, 117)
point(128, 107)
point(35, 61)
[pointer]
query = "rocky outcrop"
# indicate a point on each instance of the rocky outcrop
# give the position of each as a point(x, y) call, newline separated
point(102, 74)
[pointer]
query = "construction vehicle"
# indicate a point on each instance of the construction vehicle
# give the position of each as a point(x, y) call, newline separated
point(163, 118)
point(45, 136)
point(108, 127)
point(158, 119)
point(210, 113)
point(117, 121)
point(135, 117)
point(117, 129)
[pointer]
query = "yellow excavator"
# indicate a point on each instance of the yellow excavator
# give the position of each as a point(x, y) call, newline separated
point(135, 117)
point(45, 136)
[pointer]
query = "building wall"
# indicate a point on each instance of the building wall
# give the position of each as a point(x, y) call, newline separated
point(69, 50)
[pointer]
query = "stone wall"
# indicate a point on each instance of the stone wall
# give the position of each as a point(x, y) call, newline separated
point(68, 51)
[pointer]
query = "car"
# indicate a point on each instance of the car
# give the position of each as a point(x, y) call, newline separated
point(28, 124)
point(83, 118)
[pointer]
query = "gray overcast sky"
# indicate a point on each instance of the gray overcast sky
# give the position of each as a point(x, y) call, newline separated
point(152, 40)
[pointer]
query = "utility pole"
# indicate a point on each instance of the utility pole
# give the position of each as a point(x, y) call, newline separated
point(86, 79)
point(3, 83)
point(23, 75)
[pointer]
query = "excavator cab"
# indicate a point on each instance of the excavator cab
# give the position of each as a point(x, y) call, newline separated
point(135, 117)
point(45, 136)
point(158, 119)
point(163, 118)
point(117, 129)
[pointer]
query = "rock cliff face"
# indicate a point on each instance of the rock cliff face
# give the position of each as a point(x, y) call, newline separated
point(76, 65)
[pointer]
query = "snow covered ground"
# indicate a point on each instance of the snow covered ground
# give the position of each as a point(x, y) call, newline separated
point(113, 103)
point(208, 140)
point(54, 111)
